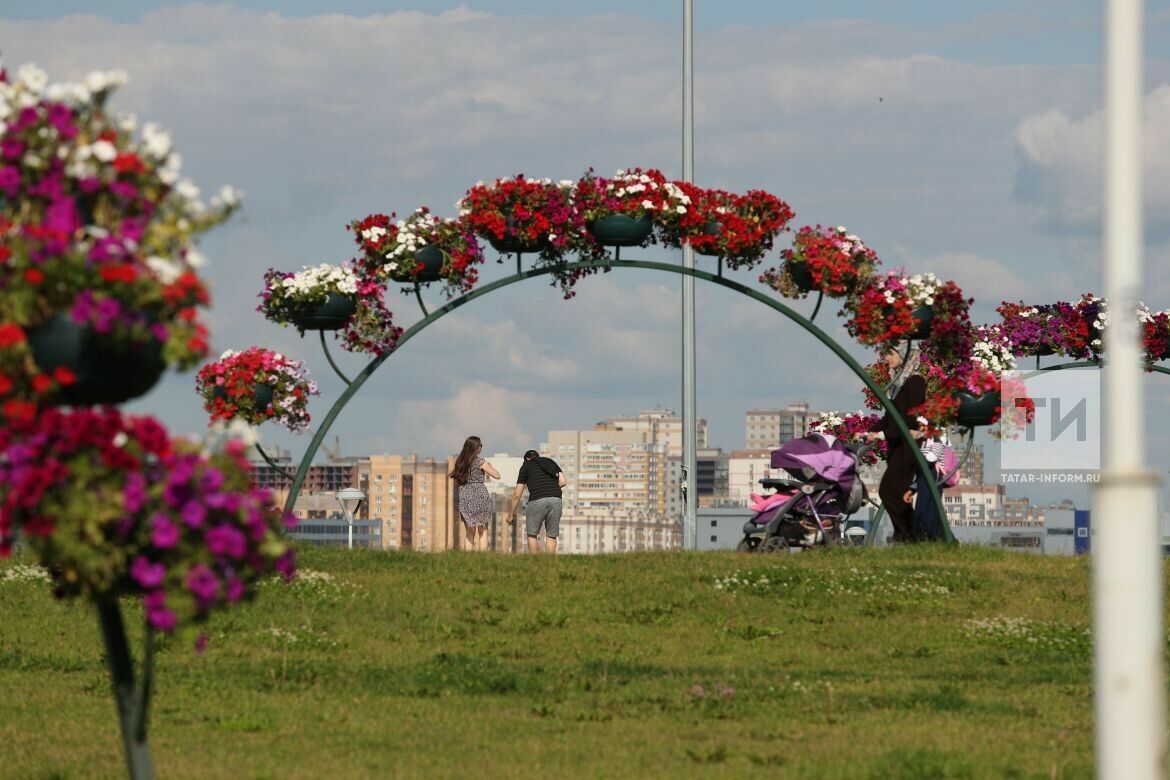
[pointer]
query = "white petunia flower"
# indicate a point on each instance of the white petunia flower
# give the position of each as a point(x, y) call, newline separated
point(104, 151)
point(33, 78)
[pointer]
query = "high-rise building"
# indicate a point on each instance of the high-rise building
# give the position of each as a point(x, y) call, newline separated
point(972, 471)
point(663, 427)
point(767, 429)
point(617, 493)
point(711, 463)
point(415, 500)
point(745, 469)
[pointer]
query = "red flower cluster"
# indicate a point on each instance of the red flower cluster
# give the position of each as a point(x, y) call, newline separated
point(739, 228)
point(536, 215)
point(837, 262)
point(952, 336)
point(1156, 337)
point(229, 388)
point(880, 314)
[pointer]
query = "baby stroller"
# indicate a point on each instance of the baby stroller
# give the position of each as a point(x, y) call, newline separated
point(809, 509)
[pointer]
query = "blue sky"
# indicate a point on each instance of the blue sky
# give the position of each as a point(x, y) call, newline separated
point(979, 163)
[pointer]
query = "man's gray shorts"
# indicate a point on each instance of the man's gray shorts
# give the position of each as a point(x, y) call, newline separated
point(546, 512)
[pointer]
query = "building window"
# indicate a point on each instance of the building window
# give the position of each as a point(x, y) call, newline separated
point(712, 538)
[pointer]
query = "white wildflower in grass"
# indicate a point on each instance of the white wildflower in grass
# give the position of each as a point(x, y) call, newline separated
point(21, 573)
point(1024, 634)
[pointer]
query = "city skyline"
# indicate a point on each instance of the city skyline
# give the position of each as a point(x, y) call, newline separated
point(953, 139)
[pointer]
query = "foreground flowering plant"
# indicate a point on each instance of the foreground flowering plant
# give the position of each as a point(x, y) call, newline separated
point(96, 224)
point(836, 261)
point(112, 506)
point(390, 248)
point(228, 387)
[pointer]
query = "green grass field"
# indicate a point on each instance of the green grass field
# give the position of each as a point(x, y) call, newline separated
point(921, 662)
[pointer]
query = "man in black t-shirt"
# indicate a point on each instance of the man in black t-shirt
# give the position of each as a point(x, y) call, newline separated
point(544, 479)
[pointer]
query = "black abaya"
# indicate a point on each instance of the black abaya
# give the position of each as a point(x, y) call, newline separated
point(901, 466)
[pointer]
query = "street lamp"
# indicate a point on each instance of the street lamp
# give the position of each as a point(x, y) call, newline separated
point(351, 500)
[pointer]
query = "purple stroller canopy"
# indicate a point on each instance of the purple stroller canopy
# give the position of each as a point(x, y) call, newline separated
point(824, 454)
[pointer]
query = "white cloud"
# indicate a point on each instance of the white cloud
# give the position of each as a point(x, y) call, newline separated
point(494, 414)
point(1062, 163)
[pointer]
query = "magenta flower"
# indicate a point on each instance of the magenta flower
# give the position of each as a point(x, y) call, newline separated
point(165, 534)
point(235, 589)
point(158, 615)
point(134, 494)
point(226, 540)
point(203, 584)
point(193, 513)
point(10, 181)
point(147, 574)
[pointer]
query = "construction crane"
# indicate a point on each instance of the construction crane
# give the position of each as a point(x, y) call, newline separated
point(333, 453)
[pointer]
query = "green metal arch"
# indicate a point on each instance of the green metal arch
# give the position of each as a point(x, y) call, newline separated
point(924, 467)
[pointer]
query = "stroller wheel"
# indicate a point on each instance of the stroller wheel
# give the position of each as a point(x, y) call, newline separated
point(774, 544)
point(748, 544)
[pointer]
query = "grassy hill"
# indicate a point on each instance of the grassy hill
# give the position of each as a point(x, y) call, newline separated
point(913, 662)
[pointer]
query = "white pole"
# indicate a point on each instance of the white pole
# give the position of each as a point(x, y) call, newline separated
point(349, 522)
point(690, 432)
point(1127, 577)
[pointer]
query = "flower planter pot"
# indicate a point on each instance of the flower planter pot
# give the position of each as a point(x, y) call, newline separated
point(511, 245)
point(923, 315)
point(1043, 351)
point(711, 229)
point(977, 410)
point(333, 314)
point(801, 275)
point(431, 258)
point(261, 395)
point(621, 230)
point(105, 373)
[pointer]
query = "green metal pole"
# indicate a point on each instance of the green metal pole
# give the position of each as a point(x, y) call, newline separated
point(923, 466)
point(131, 702)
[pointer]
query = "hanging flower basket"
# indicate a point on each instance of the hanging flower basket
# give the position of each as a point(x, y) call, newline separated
point(621, 230)
point(105, 372)
point(333, 314)
point(710, 248)
point(429, 261)
point(923, 316)
point(800, 274)
point(512, 243)
point(261, 396)
point(257, 385)
point(977, 409)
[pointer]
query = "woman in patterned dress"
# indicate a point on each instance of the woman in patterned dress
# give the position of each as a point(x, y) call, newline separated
point(475, 505)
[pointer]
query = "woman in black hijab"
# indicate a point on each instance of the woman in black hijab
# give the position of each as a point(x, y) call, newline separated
point(901, 466)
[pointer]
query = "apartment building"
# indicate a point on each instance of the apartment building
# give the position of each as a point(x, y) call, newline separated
point(767, 429)
point(415, 500)
point(617, 493)
point(662, 426)
point(745, 469)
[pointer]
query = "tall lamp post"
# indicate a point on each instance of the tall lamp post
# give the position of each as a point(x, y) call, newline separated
point(351, 501)
point(690, 539)
point(1129, 678)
